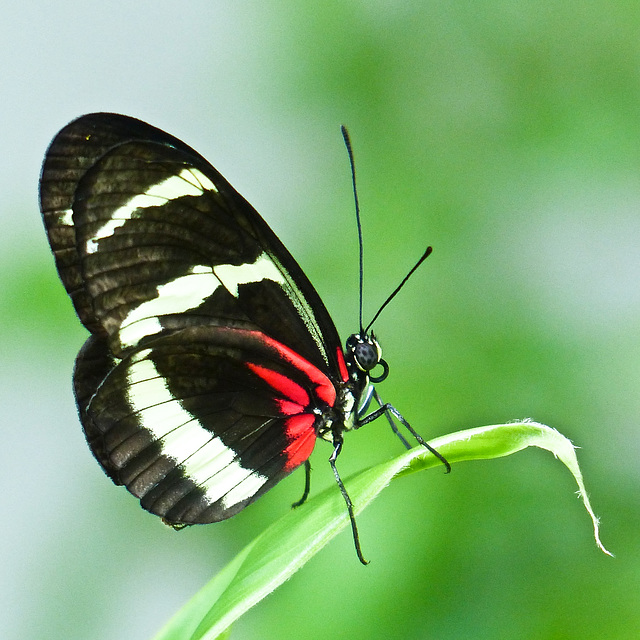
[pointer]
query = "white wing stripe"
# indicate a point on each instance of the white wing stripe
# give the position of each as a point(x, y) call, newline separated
point(206, 461)
point(189, 182)
point(184, 293)
point(266, 267)
point(232, 276)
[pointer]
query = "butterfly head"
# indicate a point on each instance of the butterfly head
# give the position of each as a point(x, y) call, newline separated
point(363, 353)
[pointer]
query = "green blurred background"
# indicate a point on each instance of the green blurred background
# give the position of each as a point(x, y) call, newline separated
point(504, 133)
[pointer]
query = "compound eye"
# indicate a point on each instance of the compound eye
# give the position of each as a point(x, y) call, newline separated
point(366, 356)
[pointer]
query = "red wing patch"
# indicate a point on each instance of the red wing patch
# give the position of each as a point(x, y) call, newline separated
point(297, 398)
point(302, 438)
point(299, 426)
point(324, 387)
point(344, 374)
point(296, 402)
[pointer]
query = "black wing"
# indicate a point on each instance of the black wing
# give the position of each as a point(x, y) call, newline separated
point(208, 341)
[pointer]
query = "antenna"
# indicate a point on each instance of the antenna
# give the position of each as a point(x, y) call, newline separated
point(347, 142)
point(425, 255)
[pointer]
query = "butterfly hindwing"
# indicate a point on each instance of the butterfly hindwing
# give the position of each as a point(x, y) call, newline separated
point(205, 420)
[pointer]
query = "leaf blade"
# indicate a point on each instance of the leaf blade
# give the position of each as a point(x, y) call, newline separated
point(289, 543)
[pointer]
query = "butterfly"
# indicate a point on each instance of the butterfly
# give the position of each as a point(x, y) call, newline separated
point(213, 366)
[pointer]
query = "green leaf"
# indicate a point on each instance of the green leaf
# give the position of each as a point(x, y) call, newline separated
point(291, 541)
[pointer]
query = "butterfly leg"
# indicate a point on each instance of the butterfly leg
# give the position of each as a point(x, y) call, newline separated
point(363, 407)
point(307, 485)
point(394, 426)
point(337, 441)
point(389, 410)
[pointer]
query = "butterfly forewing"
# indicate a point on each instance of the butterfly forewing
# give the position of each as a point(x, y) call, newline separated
point(129, 210)
point(211, 365)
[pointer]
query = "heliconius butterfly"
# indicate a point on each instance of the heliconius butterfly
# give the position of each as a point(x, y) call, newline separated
point(212, 366)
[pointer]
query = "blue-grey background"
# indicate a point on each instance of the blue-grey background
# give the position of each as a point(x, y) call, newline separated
point(506, 133)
